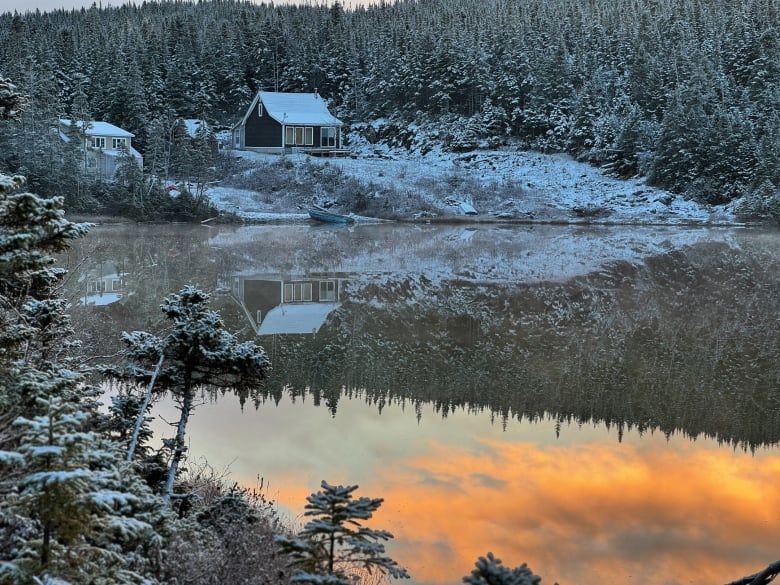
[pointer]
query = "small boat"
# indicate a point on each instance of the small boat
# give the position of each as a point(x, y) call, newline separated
point(322, 214)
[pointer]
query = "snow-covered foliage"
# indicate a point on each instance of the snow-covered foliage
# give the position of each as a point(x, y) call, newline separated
point(683, 93)
point(73, 484)
point(490, 571)
point(334, 547)
point(197, 353)
point(12, 103)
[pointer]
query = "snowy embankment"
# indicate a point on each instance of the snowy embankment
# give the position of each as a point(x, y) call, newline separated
point(549, 188)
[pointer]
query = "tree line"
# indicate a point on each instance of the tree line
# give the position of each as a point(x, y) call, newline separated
point(684, 93)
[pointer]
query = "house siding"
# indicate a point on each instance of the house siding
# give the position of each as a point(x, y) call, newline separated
point(262, 131)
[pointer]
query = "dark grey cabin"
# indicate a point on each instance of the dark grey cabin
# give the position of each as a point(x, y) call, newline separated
point(278, 122)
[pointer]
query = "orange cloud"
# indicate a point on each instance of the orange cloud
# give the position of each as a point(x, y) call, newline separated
point(580, 514)
point(580, 510)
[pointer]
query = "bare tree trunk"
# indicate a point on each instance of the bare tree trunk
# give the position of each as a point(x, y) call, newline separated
point(139, 421)
point(178, 444)
point(761, 578)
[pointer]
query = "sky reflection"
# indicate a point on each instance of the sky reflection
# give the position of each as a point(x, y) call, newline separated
point(582, 508)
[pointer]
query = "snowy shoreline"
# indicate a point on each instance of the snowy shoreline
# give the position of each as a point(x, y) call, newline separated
point(556, 189)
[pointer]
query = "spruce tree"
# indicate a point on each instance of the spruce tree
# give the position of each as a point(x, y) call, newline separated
point(197, 354)
point(334, 548)
point(490, 571)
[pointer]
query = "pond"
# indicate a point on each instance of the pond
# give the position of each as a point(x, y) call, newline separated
point(602, 403)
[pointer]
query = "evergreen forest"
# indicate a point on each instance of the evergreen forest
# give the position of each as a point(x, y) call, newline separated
point(686, 93)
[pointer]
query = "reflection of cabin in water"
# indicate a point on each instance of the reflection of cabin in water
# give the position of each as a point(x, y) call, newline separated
point(102, 284)
point(287, 304)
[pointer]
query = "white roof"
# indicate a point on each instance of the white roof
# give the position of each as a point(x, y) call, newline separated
point(193, 126)
point(298, 108)
point(296, 318)
point(99, 128)
point(100, 299)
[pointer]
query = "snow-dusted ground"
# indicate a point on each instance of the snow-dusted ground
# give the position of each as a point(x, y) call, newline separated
point(554, 187)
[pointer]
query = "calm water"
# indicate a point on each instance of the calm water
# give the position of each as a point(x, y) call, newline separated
point(603, 404)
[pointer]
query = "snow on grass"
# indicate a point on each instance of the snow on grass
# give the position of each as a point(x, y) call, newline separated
point(546, 187)
point(250, 206)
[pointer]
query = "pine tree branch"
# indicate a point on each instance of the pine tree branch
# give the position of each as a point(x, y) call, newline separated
point(761, 578)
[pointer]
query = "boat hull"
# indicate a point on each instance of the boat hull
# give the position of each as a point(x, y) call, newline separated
point(327, 216)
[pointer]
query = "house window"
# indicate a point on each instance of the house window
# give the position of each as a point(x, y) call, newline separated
point(116, 284)
point(260, 109)
point(96, 286)
point(91, 163)
point(299, 136)
point(328, 136)
point(98, 142)
point(297, 292)
point(328, 291)
point(117, 143)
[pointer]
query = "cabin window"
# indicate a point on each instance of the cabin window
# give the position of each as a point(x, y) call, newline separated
point(116, 285)
point(328, 290)
point(260, 109)
point(96, 286)
point(297, 291)
point(328, 136)
point(117, 143)
point(299, 136)
point(98, 142)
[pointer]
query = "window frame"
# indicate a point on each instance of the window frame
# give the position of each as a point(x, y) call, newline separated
point(327, 290)
point(297, 292)
point(118, 143)
point(328, 136)
point(299, 135)
point(98, 142)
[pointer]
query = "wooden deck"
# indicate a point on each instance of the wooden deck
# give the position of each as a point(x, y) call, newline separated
point(327, 151)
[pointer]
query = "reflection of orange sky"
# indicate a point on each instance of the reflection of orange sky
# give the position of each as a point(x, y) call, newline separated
point(581, 511)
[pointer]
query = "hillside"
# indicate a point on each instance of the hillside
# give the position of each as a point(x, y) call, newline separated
point(502, 184)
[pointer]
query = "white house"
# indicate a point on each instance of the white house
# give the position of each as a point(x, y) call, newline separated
point(104, 145)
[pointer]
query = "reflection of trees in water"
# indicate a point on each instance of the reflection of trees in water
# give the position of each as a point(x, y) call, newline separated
point(686, 342)
point(154, 263)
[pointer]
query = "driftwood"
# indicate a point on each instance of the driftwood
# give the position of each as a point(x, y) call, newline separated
point(762, 578)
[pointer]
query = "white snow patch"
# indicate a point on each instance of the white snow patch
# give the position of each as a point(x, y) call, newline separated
point(553, 186)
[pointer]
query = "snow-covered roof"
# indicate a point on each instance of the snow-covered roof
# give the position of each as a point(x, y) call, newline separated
point(294, 108)
point(95, 128)
point(296, 318)
point(193, 126)
point(100, 299)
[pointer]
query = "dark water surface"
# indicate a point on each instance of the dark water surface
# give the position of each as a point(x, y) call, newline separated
point(601, 403)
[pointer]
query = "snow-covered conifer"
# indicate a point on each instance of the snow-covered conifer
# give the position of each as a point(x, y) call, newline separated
point(84, 508)
point(490, 571)
point(197, 353)
point(334, 548)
